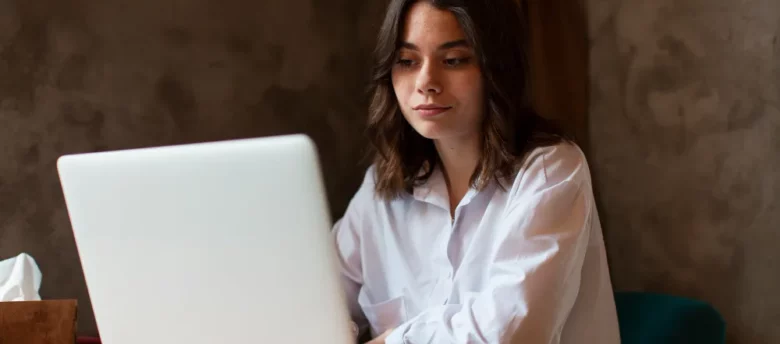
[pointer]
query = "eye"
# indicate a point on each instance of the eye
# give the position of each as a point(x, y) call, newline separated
point(454, 62)
point(405, 63)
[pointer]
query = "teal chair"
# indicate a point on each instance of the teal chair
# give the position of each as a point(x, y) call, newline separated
point(648, 318)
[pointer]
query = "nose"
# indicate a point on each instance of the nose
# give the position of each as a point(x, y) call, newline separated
point(427, 80)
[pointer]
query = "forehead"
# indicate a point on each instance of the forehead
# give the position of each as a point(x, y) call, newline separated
point(426, 25)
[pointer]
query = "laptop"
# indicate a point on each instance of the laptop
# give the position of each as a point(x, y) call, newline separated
point(220, 242)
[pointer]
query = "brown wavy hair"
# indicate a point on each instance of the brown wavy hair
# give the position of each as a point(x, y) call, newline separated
point(497, 31)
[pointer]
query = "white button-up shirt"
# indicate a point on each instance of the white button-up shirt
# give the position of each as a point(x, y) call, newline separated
point(523, 264)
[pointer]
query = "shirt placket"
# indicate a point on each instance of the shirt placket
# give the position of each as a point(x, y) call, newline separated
point(446, 270)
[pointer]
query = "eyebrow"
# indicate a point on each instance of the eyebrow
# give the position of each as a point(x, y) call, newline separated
point(448, 45)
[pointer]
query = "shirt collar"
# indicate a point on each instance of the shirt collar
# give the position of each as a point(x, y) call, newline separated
point(434, 191)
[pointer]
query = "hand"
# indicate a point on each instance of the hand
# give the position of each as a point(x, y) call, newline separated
point(381, 338)
point(354, 329)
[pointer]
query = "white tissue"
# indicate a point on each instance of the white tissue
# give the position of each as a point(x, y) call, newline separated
point(20, 279)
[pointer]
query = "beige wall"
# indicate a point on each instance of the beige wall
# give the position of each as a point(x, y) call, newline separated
point(685, 143)
point(79, 76)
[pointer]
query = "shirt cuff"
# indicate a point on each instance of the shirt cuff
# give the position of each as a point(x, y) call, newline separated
point(396, 337)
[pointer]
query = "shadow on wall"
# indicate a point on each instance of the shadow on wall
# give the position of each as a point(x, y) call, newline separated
point(91, 76)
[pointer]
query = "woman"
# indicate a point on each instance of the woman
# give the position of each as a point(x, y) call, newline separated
point(476, 223)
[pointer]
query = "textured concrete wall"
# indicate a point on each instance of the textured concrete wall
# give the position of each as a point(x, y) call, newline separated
point(78, 76)
point(685, 146)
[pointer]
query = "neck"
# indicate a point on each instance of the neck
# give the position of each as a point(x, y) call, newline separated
point(459, 159)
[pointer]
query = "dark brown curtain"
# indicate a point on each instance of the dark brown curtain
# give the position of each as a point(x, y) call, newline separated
point(559, 62)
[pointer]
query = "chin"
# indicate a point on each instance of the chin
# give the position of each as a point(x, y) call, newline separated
point(428, 130)
point(434, 132)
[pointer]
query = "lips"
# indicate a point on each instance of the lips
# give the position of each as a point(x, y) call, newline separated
point(428, 110)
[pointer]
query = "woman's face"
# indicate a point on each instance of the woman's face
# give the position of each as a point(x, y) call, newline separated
point(436, 79)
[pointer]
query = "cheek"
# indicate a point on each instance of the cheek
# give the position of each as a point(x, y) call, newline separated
point(401, 94)
point(480, 98)
point(399, 86)
point(470, 90)
point(403, 97)
point(475, 86)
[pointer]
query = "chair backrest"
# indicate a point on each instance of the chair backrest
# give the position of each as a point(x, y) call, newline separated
point(649, 318)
